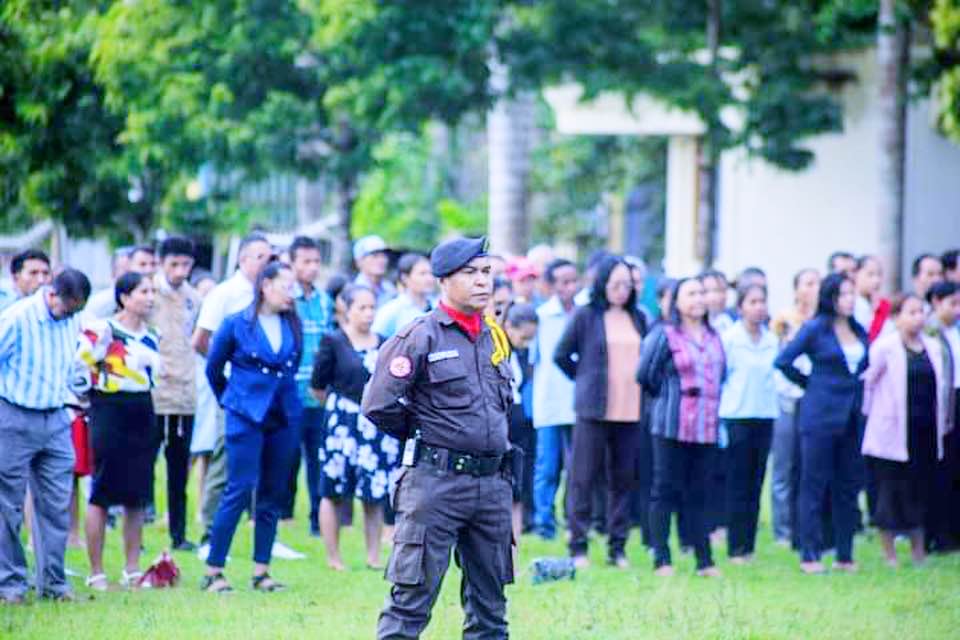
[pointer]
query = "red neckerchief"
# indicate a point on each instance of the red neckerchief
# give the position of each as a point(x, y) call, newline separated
point(471, 323)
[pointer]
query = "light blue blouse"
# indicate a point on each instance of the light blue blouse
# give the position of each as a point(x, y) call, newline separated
point(749, 390)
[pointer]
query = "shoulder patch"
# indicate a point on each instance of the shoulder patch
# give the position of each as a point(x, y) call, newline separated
point(401, 367)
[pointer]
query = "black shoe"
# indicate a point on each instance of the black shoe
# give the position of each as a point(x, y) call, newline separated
point(184, 545)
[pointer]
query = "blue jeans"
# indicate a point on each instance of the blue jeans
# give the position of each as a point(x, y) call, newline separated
point(553, 453)
point(259, 457)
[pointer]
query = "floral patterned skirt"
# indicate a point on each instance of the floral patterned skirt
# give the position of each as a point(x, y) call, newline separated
point(356, 458)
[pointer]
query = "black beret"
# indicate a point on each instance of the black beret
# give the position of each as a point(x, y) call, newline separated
point(453, 255)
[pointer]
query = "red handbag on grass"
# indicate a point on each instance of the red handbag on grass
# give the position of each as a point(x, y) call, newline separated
point(164, 572)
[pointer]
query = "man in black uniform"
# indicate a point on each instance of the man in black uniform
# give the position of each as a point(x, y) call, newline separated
point(443, 384)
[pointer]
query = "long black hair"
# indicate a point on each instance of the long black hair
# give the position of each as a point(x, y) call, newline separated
point(674, 317)
point(598, 294)
point(270, 272)
point(829, 292)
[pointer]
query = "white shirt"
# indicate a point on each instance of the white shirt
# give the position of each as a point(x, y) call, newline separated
point(953, 339)
point(101, 305)
point(270, 323)
point(552, 389)
point(228, 297)
point(854, 353)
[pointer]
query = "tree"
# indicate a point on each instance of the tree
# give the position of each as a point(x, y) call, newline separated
point(945, 18)
point(756, 73)
point(218, 84)
point(893, 59)
point(391, 67)
point(58, 141)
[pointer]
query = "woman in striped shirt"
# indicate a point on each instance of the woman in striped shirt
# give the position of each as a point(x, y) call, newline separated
point(682, 368)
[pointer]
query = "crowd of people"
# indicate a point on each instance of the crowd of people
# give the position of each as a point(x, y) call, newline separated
point(636, 398)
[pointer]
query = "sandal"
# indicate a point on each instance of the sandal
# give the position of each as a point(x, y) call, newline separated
point(130, 580)
point(266, 584)
point(215, 583)
point(98, 582)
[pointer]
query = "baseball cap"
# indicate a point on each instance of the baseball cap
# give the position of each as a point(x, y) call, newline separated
point(368, 245)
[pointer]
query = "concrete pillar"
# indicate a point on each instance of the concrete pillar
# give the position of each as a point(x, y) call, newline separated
point(680, 243)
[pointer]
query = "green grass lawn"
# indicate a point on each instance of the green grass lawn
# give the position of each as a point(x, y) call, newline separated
point(767, 600)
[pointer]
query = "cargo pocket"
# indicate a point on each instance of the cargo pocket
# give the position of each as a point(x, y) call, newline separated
point(406, 566)
point(505, 562)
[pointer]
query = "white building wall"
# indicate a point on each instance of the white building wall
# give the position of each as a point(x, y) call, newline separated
point(785, 221)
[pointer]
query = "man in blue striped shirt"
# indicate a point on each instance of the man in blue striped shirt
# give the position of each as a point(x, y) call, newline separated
point(38, 340)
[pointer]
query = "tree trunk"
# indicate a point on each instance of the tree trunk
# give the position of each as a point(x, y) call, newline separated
point(893, 58)
point(509, 127)
point(709, 154)
point(341, 249)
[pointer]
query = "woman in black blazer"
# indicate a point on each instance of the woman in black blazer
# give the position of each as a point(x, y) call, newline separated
point(599, 351)
point(829, 420)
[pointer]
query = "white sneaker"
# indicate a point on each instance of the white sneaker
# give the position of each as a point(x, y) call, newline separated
point(203, 552)
point(283, 552)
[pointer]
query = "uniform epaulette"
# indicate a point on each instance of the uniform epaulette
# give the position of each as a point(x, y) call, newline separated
point(408, 329)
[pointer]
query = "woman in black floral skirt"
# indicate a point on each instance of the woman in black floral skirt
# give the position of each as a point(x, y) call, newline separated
point(356, 458)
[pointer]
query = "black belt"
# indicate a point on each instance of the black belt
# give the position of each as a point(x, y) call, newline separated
point(459, 462)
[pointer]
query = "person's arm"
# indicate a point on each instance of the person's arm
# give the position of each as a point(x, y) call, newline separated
point(208, 320)
point(386, 396)
point(800, 345)
point(201, 341)
point(652, 361)
point(324, 364)
point(567, 347)
point(873, 373)
point(9, 336)
point(221, 351)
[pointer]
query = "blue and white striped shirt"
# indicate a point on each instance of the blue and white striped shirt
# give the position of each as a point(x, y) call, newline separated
point(37, 353)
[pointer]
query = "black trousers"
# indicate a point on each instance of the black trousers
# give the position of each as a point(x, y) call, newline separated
point(681, 472)
point(831, 465)
point(640, 500)
point(438, 512)
point(598, 445)
point(177, 433)
point(942, 523)
point(746, 457)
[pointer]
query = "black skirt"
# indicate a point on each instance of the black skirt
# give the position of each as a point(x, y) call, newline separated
point(125, 441)
point(904, 488)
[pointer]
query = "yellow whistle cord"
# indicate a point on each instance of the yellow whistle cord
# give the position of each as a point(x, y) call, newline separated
point(501, 345)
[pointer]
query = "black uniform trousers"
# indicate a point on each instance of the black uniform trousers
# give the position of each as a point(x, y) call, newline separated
point(437, 512)
point(747, 452)
point(177, 433)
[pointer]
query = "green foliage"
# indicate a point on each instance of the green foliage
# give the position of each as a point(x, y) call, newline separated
point(945, 18)
point(772, 70)
point(214, 83)
point(405, 197)
point(57, 139)
point(573, 174)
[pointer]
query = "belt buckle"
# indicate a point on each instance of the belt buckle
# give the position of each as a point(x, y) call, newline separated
point(461, 464)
